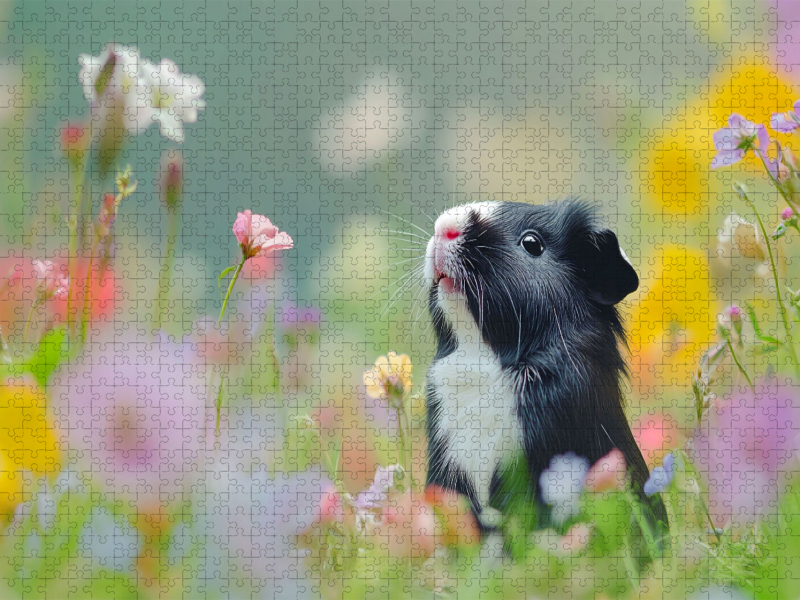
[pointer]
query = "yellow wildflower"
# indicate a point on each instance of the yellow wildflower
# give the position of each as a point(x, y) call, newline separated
point(11, 485)
point(676, 167)
point(390, 378)
point(674, 321)
point(26, 436)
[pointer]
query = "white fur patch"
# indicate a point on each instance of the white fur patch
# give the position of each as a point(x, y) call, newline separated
point(477, 414)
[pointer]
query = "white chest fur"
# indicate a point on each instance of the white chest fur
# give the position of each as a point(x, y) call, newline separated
point(477, 404)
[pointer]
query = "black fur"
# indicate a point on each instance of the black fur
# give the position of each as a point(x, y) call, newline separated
point(552, 322)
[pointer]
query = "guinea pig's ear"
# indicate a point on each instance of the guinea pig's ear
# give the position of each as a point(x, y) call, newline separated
point(606, 270)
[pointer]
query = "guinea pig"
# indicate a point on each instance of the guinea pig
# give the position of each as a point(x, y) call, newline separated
point(528, 363)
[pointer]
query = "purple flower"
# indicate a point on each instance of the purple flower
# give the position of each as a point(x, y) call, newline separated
point(292, 316)
point(733, 142)
point(251, 522)
point(786, 122)
point(375, 495)
point(133, 408)
point(748, 445)
point(661, 476)
point(561, 485)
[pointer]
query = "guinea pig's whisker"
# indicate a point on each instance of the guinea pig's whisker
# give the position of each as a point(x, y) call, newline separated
point(396, 281)
point(519, 319)
point(405, 220)
point(407, 234)
point(407, 280)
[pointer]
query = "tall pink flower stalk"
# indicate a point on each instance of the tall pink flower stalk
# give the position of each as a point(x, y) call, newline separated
point(257, 236)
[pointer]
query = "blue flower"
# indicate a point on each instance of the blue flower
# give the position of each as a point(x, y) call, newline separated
point(661, 476)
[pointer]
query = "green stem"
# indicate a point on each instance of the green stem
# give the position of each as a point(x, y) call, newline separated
point(736, 360)
point(778, 185)
point(230, 289)
point(789, 343)
point(28, 323)
point(166, 268)
point(76, 227)
point(219, 322)
point(407, 423)
point(86, 293)
point(401, 433)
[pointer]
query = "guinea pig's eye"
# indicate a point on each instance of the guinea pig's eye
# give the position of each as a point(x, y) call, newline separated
point(532, 244)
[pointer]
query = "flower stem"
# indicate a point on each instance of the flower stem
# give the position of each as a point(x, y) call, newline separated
point(736, 360)
point(230, 289)
point(86, 293)
point(76, 226)
point(402, 436)
point(787, 329)
point(218, 401)
point(778, 185)
point(166, 268)
point(28, 323)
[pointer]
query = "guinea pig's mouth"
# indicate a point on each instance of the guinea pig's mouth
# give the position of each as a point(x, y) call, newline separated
point(444, 282)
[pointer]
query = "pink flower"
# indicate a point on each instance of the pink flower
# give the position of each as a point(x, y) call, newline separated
point(733, 142)
point(608, 473)
point(258, 236)
point(787, 213)
point(331, 509)
point(52, 284)
point(408, 525)
point(134, 411)
point(747, 448)
point(786, 122)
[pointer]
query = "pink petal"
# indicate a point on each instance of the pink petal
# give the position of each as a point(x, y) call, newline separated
point(261, 225)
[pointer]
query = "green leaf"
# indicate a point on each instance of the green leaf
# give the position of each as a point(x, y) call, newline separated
point(223, 275)
point(52, 350)
point(761, 336)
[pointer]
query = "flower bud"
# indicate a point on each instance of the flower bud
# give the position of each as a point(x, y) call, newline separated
point(787, 213)
point(108, 212)
point(75, 143)
point(171, 183)
point(731, 318)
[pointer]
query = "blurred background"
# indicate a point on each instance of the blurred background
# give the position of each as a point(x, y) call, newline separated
point(347, 122)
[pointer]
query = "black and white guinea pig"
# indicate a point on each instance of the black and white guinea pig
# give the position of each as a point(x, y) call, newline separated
point(528, 363)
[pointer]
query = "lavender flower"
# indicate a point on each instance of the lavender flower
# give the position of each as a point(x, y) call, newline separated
point(561, 485)
point(748, 446)
point(786, 122)
point(733, 142)
point(375, 495)
point(661, 477)
point(133, 408)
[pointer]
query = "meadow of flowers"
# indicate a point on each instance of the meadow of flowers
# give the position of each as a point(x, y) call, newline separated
point(201, 454)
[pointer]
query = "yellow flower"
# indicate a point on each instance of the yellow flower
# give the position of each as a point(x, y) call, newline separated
point(390, 378)
point(676, 170)
point(25, 434)
point(675, 319)
point(11, 485)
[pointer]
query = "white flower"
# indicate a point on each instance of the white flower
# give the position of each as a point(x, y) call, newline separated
point(171, 98)
point(111, 84)
point(561, 485)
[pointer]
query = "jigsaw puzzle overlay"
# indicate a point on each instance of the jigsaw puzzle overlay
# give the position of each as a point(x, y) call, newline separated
point(269, 328)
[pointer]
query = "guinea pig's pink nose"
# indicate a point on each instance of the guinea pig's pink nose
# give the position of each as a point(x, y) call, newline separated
point(450, 234)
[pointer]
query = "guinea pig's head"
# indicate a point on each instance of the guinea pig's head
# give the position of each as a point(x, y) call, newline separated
point(517, 275)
